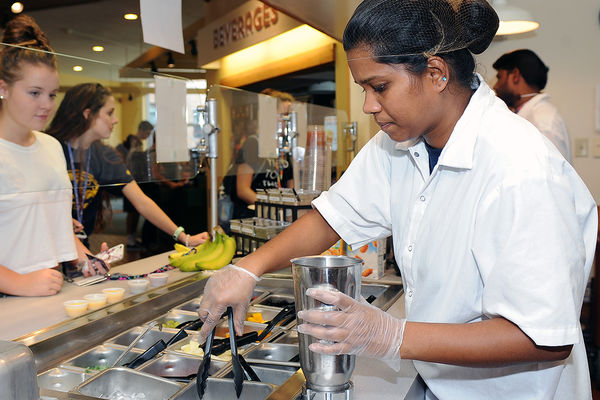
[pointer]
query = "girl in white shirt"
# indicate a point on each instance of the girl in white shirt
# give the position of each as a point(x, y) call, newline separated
point(494, 232)
point(35, 191)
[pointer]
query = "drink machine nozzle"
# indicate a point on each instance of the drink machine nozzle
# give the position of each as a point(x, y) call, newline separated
point(287, 135)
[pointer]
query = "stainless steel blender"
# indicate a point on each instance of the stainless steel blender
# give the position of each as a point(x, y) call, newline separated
point(327, 376)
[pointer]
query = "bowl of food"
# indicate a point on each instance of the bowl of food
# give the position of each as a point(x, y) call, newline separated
point(75, 308)
point(137, 285)
point(158, 279)
point(95, 300)
point(114, 294)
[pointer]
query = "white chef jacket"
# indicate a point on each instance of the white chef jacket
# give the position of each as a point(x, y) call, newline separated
point(544, 115)
point(35, 206)
point(503, 226)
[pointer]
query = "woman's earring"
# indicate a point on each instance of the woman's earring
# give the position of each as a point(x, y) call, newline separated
point(444, 79)
point(1, 97)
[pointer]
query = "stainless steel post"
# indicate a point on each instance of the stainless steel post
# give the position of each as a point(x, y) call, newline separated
point(213, 152)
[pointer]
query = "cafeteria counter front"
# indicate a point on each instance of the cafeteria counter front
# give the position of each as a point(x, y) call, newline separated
point(72, 354)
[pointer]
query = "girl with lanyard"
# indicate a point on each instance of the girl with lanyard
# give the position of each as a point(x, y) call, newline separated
point(35, 218)
point(494, 239)
point(85, 116)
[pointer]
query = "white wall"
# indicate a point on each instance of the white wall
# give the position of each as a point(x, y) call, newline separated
point(568, 41)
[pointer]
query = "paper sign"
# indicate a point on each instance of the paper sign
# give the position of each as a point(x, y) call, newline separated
point(161, 23)
point(267, 126)
point(171, 126)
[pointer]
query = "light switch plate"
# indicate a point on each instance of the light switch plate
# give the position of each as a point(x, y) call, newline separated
point(596, 147)
point(582, 147)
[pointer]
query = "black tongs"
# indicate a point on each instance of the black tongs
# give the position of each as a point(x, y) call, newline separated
point(238, 371)
point(238, 363)
point(283, 316)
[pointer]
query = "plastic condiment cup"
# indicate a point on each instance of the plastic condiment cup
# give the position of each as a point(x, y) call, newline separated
point(158, 279)
point(137, 285)
point(114, 294)
point(95, 300)
point(75, 308)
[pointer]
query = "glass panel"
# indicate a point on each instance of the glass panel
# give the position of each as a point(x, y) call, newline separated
point(284, 154)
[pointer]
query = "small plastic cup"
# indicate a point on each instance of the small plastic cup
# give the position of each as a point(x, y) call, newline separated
point(158, 279)
point(95, 300)
point(114, 294)
point(137, 285)
point(75, 308)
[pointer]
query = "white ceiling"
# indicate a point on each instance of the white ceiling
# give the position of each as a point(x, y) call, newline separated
point(73, 29)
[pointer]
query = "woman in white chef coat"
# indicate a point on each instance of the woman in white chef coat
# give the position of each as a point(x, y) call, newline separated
point(494, 232)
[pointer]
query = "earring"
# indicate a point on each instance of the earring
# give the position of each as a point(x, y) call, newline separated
point(444, 79)
point(1, 97)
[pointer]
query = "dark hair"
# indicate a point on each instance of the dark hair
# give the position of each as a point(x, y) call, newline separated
point(69, 121)
point(145, 126)
point(24, 32)
point(405, 31)
point(531, 67)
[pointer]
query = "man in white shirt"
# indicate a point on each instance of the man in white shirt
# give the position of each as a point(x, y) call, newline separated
point(521, 77)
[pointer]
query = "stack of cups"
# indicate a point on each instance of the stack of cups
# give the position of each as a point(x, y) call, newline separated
point(316, 171)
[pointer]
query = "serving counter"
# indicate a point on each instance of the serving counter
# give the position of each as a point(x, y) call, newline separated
point(56, 339)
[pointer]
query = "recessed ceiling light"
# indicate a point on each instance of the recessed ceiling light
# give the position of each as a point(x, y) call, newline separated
point(16, 7)
point(77, 68)
point(130, 16)
point(98, 48)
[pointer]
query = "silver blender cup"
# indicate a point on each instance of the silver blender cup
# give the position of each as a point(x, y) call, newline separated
point(327, 376)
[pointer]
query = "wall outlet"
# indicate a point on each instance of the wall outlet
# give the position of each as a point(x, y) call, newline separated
point(581, 147)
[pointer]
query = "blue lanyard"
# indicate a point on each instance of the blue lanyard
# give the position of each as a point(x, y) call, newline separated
point(85, 183)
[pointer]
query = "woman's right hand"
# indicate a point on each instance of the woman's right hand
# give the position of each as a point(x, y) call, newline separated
point(45, 282)
point(231, 286)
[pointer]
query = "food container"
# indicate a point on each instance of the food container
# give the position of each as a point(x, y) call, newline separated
point(114, 294)
point(115, 382)
point(158, 279)
point(75, 308)
point(99, 358)
point(61, 379)
point(137, 285)
point(95, 300)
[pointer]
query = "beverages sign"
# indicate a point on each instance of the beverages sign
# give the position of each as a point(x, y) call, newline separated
point(251, 23)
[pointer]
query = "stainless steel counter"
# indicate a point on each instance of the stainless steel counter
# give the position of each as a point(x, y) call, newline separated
point(42, 324)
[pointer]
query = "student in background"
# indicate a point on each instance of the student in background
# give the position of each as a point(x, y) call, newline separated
point(521, 77)
point(85, 117)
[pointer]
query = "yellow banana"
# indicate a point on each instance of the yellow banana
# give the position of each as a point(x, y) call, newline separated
point(181, 248)
point(193, 254)
point(215, 253)
point(223, 259)
point(208, 253)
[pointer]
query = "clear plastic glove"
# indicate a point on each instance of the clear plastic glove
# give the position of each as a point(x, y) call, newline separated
point(357, 328)
point(230, 286)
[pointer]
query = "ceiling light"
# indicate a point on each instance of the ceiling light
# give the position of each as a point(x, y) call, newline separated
point(16, 7)
point(170, 60)
point(98, 48)
point(513, 19)
point(77, 68)
point(130, 16)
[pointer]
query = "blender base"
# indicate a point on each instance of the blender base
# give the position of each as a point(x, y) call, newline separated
point(310, 394)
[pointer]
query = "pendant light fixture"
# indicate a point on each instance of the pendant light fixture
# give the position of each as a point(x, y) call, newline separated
point(513, 19)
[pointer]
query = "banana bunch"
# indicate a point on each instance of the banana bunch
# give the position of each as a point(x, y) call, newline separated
point(210, 255)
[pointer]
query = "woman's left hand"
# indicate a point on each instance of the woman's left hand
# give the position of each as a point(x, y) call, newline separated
point(93, 267)
point(357, 328)
point(195, 240)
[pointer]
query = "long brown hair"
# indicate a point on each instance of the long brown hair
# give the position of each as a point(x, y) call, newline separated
point(34, 48)
point(69, 122)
